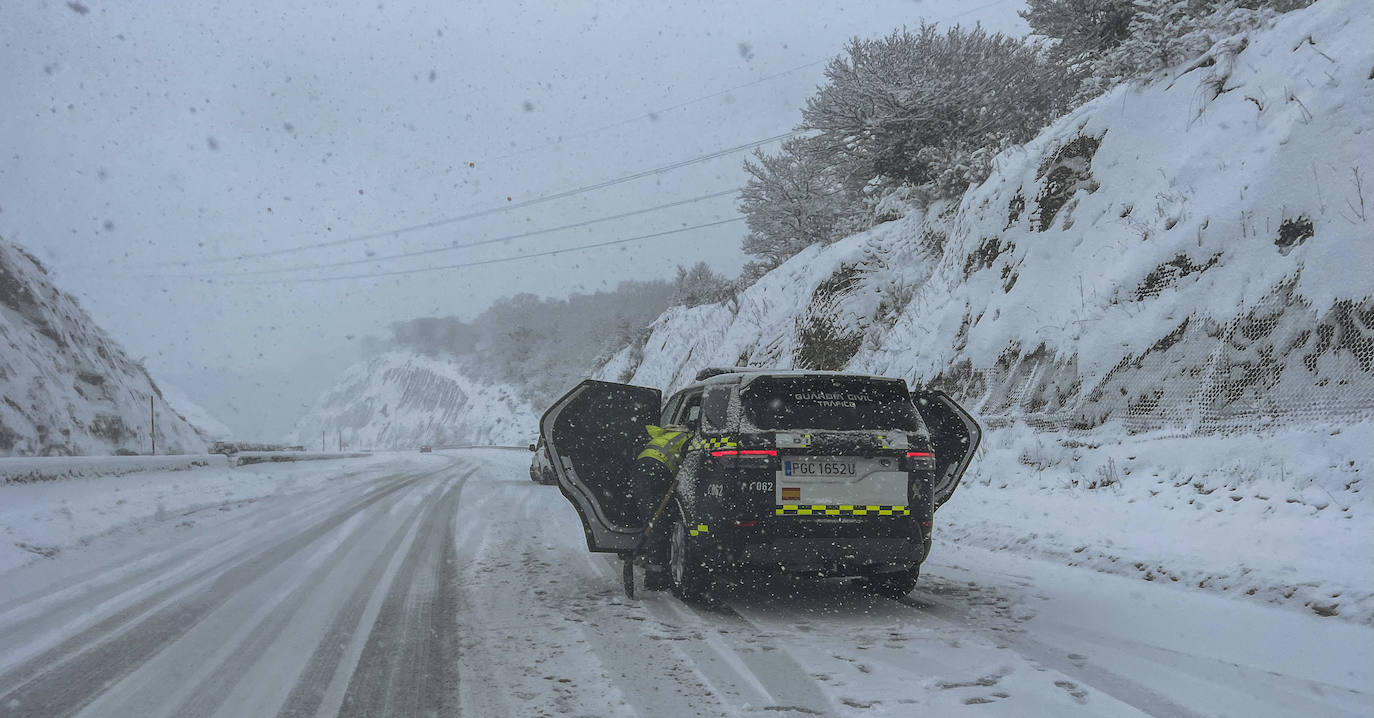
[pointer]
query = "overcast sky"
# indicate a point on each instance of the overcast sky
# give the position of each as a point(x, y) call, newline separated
point(147, 143)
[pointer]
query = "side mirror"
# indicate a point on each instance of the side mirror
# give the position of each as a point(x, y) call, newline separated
point(533, 447)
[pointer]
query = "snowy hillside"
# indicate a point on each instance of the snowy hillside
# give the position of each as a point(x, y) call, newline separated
point(1175, 279)
point(402, 400)
point(68, 387)
point(1192, 253)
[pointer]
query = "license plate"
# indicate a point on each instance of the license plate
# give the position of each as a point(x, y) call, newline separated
point(819, 468)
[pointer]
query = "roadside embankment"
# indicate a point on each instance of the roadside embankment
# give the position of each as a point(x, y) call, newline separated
point(33, 469)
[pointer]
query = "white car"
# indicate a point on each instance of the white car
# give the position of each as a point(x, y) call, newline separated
point(541, 469)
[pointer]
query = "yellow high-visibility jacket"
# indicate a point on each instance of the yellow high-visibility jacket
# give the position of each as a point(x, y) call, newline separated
point(666, 446)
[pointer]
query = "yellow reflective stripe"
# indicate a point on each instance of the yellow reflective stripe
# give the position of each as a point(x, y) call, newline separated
point(667, 438)
point(699, 530)
point(723, 442)
point(662, 458)
point(841, 510)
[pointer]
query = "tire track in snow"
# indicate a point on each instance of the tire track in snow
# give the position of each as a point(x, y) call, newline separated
point(221, 677)
point(542, 631)
point(722, 653)
point(546, 631)
point(64, 679)
point(44, 619)
point(782, 678)
point(409, 665)
point(1096, 677)
point(75, 587)
point(331, 658)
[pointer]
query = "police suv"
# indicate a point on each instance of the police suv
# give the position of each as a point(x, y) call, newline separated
point(818, 472)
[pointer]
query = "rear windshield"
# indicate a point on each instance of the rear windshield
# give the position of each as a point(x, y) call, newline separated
point(838, 403)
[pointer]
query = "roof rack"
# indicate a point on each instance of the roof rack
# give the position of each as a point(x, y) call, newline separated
point(711, 371)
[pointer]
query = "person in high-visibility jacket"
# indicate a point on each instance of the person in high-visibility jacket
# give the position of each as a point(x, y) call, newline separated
point(653, 472)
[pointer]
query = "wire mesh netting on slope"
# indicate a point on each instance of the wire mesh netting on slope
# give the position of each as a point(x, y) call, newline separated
point(1280, 361)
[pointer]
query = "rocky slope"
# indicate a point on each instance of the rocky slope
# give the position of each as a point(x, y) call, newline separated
point(1190, 253)
point(68, 388)
point(403, 400)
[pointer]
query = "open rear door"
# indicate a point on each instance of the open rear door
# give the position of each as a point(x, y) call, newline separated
point(954, 436)
point(593, 435)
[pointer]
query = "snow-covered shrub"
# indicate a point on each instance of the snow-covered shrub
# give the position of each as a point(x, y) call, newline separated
point(1080, 31)
point(1102, 43)
point(700, 285)
point(824, 340)
point(1163, 33)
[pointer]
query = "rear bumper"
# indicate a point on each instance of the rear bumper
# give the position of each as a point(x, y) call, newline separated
point(834, 555)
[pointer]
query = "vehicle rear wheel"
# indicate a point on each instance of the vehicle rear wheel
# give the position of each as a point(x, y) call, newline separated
point(894, 584)
point(627, 574)
point(688, 574)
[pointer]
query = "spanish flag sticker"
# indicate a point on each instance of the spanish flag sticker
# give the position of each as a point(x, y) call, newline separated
point(791, 493)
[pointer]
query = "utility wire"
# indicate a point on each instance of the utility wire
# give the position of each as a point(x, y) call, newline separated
point(492, 210)
point(461, 265)
point(560, 195)
point(466, 245)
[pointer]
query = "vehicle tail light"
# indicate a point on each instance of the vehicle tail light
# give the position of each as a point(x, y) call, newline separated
point(920, 460)
point(748, 524)
point(745, 452)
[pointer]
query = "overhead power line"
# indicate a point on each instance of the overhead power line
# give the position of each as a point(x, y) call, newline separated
point(490, 211)
point(479, 243)
point(547, 198)
point(460, 265)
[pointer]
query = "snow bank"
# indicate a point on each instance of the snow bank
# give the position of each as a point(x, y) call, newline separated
point(1281, 518)
point(27, 470)
point(244, 458)
point(15, 470)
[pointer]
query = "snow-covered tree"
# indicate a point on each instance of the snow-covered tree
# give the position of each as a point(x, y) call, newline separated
point(542, 345)
point(793, 199)
point(924, 108)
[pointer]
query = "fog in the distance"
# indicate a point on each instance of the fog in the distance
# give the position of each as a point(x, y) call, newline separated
point(145, 142)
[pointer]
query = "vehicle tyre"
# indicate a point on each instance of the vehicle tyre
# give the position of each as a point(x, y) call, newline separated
point(688, 575)
point(895, 584)
point(549, 479)
point(627, 574)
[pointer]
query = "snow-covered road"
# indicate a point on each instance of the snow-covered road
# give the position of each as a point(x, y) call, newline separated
point(450, 584)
